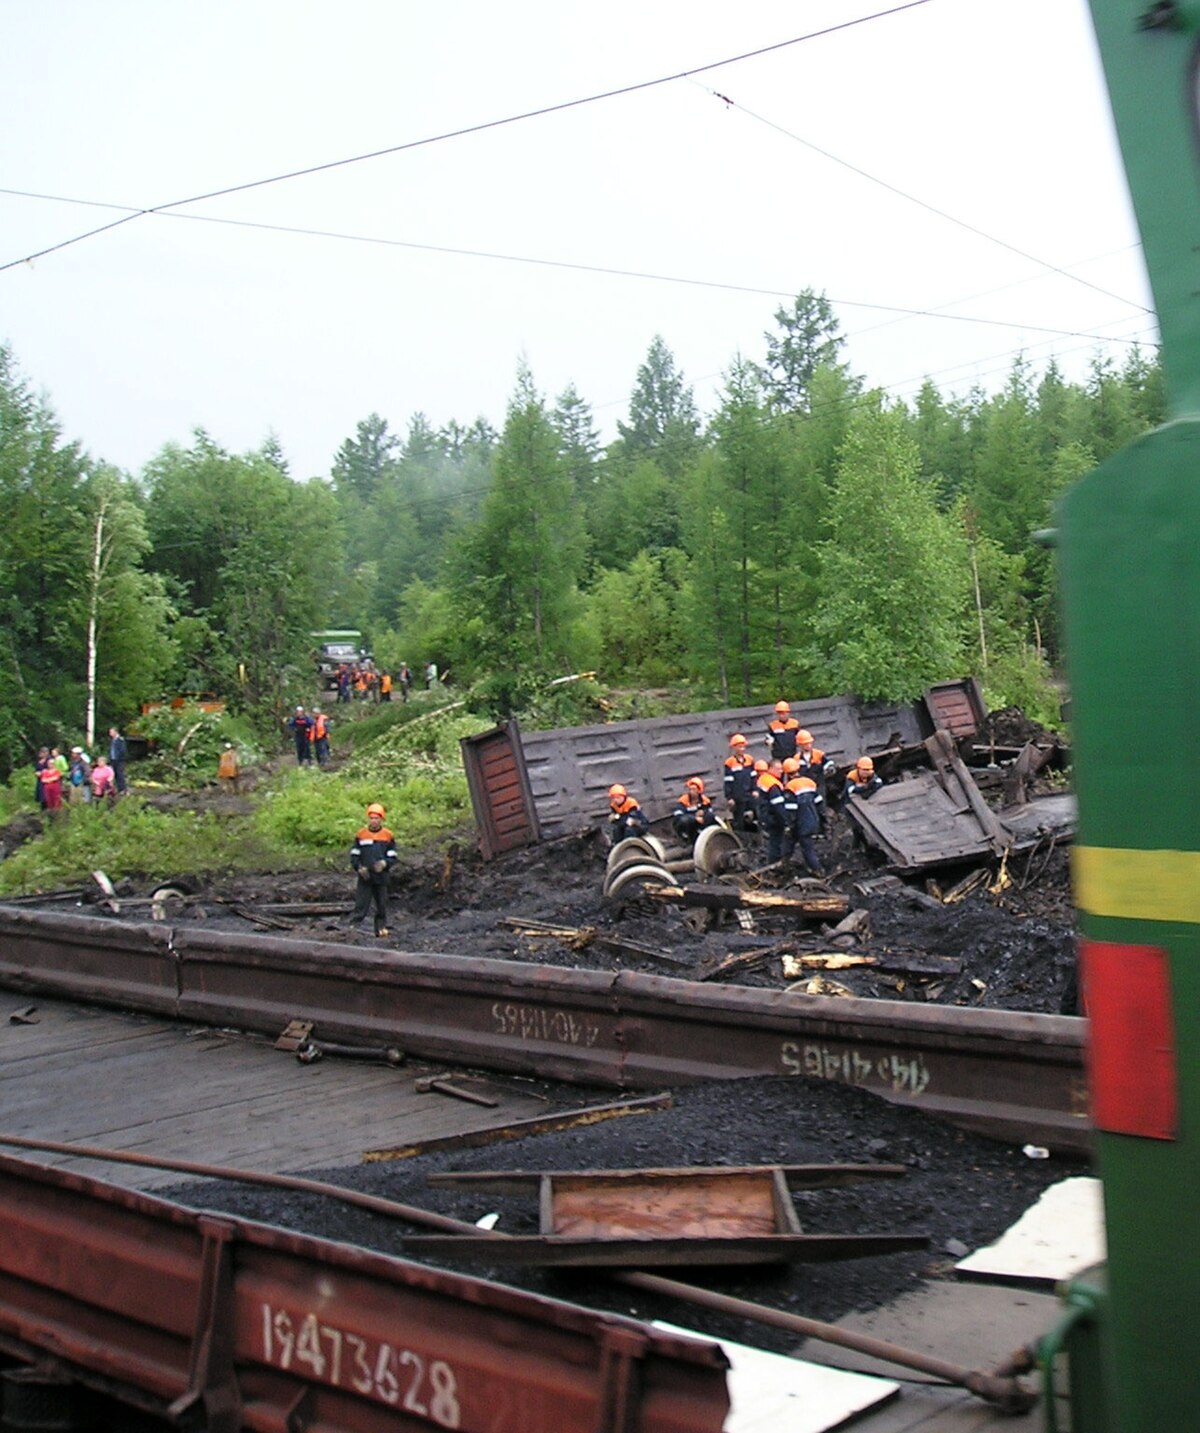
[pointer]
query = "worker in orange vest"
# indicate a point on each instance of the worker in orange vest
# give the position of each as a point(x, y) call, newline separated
point(802, 804)
point(772, 812)
point(738, 782)
point(372, 856)
point(693, 811)
point(627, 817)
point(320, 735)
point(781, 732)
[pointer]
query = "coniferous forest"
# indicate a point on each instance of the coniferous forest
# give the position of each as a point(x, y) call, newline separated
point(812, 535)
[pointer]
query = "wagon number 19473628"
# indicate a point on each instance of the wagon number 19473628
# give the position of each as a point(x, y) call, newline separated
point(427, 1389)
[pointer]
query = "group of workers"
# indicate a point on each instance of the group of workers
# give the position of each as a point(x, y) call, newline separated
point(783, 796)
point(77, 780)
point(310, 731)
point(366, 682)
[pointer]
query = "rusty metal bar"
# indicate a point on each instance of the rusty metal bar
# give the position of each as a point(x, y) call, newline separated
point(1010, 1074)
point(1000, 1387)
point(248, 1324)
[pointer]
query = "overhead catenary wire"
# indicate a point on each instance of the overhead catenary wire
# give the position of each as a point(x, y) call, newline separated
point(924, 204)
point(569, 265)
point(466, 130)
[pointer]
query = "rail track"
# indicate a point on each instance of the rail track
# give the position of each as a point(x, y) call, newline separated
point(1012, 1075)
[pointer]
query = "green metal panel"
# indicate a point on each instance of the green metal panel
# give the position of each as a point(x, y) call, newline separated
point(1130, 553)
point(1131, 582)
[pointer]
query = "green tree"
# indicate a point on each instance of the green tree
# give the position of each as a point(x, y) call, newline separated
point(250, 552)
point(893, 573)
point(807, 338)
point(663, 423)
point(364, 461)
point(635, 612)
point(514, 576)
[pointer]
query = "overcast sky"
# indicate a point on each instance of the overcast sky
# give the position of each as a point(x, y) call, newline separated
point(951, 158)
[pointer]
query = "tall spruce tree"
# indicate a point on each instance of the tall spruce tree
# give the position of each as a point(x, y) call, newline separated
point(893, 573)
point(515, 574)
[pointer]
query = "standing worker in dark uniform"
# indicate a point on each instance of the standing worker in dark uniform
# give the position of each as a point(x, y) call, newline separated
point(118, 754)
point(738, 782)
point(781, 733)
point(803, 801)
point(300, 727)
point(772, 811)
point(372, 856)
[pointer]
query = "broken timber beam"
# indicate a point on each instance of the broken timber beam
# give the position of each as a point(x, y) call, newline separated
point(731, 898)
point(958, 781)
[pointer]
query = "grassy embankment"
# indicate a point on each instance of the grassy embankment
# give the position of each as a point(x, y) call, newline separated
point(405, 755)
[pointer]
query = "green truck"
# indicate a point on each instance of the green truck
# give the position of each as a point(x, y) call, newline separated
point(333, 649)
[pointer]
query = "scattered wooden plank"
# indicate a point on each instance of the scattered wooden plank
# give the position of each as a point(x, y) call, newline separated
point(518, 1129)
point(729, 898)
point(622, 945)
point(742, 961)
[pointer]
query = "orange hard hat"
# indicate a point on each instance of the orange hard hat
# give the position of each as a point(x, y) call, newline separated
point(804, 737)
point(791, 765)
point(375, 809)
point(782, 708)
point(865, 764)
point(760, 765)
point(737, 739)
point(617, 792)
point(696, 783)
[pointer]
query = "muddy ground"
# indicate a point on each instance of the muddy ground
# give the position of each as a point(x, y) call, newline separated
point(1016, 947)
point(1015, 942)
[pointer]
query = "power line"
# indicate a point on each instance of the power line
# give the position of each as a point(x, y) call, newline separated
point(470, 129)
point(568, 265)
point(923, 204)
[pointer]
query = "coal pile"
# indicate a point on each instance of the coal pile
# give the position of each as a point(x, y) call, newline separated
point(959, 1189)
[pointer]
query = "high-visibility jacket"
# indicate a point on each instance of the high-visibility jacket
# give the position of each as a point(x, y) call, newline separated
point(803, 803)
point(371, 847)
point(628, 819)
point(692, 814)
point(739, 777)
point(320, 727)
point(770, 798)
point(782, 734)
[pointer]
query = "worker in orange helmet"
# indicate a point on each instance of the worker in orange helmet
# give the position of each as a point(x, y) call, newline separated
point(627, 818)
point(693, 811)
point(738, 783)
point(815, 764)
point(781, 732)
point(862, 780)
point(372, 856)
point(802, 812)
point(772, 815)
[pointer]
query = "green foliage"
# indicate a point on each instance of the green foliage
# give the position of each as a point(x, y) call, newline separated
point(1020, 677)
point(636, 614)
point(413, 768)
point(662, 414)
point(809, 338)
point(514, 578)
point(893, 574)
point(186, 744)
point(129, 838)
point(250, 552)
